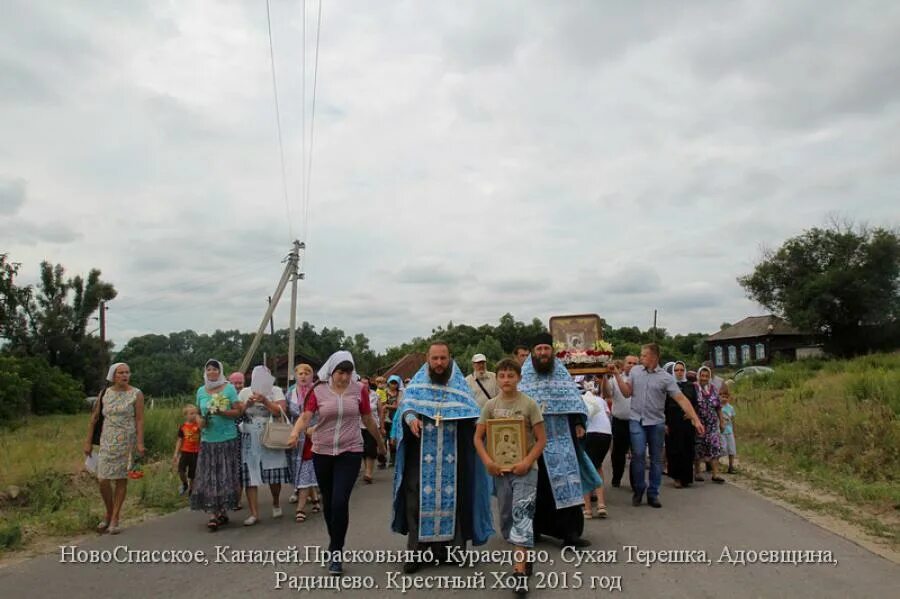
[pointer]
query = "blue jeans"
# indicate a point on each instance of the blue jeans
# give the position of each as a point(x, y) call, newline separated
point(641, 436)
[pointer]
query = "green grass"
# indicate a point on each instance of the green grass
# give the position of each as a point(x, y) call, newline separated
point(43, 458)
point(835, 423)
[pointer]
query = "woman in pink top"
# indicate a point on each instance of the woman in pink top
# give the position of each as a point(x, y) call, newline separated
point(342, 404)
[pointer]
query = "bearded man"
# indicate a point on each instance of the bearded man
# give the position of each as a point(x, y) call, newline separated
point(441, 488)
point(565, 473)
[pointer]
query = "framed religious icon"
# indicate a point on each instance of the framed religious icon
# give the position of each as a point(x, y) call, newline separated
point(506, 441)
point(578, 342)
point(576, 332)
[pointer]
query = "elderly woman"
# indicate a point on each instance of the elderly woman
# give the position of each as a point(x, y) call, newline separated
point(340, 403)
point(122, 407)
point(259, 464)
point(218, 483)
point(708, 447)
point(300, 457)
point(680, 431)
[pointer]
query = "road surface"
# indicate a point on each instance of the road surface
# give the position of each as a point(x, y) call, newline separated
point(706, 518)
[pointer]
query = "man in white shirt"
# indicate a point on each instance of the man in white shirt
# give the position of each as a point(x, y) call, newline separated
point(621, 414)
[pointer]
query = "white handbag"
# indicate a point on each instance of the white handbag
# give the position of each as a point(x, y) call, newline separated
point(277, 433)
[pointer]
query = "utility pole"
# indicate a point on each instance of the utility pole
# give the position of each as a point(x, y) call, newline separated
point(290, 272)
point(654, 326)
point(271, 320)
point(292, 327)
point(103, 321)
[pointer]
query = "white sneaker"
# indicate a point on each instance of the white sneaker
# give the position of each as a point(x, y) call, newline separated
point(251, 521)
point(292, 498)
point(276, 512)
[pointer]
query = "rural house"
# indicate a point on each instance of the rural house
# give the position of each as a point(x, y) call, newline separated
point(759, 340)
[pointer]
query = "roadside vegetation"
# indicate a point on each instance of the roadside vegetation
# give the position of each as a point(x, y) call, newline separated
point(834, 424)
point(45, 492)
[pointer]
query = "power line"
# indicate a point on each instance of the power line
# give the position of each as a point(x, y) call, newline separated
point(312, 124)
point(287, 206)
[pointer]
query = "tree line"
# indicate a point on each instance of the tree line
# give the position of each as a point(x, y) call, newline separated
point(841, 282)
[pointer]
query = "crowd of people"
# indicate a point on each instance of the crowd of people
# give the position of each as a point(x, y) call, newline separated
point(435, 431)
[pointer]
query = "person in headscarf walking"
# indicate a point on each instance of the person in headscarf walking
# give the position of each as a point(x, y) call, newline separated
point(341, 403)
point(302, 471)
point(680, 431)
point(708, 447)
point(441, 487)
point(122, 408)
point(259, 464)
point(393, 397)
point(565, 472)
point(217, 487)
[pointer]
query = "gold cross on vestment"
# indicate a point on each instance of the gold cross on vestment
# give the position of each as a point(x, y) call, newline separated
point(437, 420)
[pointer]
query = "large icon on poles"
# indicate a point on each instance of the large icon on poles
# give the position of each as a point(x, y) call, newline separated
point(578, 342)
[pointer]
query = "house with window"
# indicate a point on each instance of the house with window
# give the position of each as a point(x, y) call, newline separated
point(759, 340)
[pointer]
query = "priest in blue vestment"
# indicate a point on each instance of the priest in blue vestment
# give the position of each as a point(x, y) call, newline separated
point(441, 488)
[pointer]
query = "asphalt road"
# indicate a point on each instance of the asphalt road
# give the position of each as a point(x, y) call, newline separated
point(707, 519)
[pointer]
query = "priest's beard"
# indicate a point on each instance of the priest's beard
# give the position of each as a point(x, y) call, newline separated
point(542, 365)
point(440, 378)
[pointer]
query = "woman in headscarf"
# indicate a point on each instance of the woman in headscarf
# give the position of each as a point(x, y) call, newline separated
point(708, 447)
point(341, 403)
point(680, 431)
point(394, 395)
point(259, 464)
point(217, 487)
point(122, 408)
point(302, 472)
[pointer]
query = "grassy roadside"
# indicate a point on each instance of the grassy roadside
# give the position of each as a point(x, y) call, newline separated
point(45, 492)
point(833, 425)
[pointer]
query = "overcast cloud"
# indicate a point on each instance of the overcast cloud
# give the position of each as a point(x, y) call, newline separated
point(471, 158)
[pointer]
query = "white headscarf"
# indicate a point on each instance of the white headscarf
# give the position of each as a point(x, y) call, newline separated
point(260, 370)
point(701, 369)
point(679, 380)
point(214, 384)
point(332, 362)
point(111, 373)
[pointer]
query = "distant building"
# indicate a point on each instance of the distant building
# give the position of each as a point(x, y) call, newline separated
point(406, 366)
point(759, 340)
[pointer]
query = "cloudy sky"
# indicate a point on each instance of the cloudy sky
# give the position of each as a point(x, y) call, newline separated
point(470, 158)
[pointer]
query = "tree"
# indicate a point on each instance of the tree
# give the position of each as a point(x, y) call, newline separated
point(842, 282)
point(51, 321)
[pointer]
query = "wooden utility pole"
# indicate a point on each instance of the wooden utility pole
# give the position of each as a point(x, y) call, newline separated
point(292, 327)
point(103, 321)
point(654, 326)
point(271, 320)
point(290, 271)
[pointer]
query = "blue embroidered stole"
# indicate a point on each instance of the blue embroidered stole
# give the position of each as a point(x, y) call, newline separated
point(562, 462)
point(437, 481)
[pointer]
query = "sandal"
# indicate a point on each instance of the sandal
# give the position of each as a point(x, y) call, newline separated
point(316, 506)
point(588, 515)
point(601, 511)
point(718, 479)
point(368, 479)
point(102, 526)
point(222, 519)
point(300, 517)
point(213, 524)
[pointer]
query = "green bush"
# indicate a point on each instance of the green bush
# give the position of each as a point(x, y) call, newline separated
point(14, 391)
point(10, 535)
point(46, 491)
point(52, 390)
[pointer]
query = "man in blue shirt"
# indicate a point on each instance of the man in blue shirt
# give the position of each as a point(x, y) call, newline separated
point(648, 386)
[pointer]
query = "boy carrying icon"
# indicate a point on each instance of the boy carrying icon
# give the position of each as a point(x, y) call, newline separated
point(516, 486)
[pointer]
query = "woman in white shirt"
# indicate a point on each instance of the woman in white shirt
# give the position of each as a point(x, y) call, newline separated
point(596, 444)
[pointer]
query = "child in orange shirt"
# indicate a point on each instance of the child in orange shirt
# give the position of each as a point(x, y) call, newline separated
point(187, 447)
